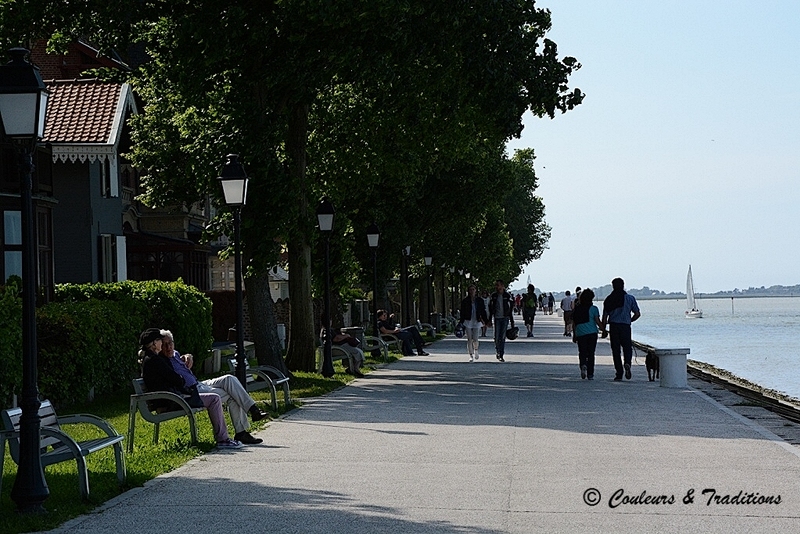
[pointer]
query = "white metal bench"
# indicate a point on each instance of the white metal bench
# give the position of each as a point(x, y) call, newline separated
point(57, 446)
point(265, 377)
point(139, 404)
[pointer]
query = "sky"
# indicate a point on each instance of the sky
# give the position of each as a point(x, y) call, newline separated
point(685, 150)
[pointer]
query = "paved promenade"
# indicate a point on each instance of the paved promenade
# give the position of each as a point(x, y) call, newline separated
point(440, 445)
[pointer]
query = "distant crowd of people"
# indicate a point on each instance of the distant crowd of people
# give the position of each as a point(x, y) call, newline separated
point(583, 321)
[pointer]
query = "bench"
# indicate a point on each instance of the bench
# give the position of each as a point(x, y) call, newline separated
point(265, 377)
point(57, 446)
point(392, 340)
point(337, 353)
point(139, 404)
point(371, 343)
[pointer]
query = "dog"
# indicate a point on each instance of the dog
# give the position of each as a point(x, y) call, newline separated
point(651, 362)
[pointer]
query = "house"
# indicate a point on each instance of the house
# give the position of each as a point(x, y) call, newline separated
point(90, 226)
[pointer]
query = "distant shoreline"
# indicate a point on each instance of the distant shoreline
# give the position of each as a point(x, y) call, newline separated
point(711, 297)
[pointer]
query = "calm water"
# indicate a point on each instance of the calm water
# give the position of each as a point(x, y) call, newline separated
point(756, 340)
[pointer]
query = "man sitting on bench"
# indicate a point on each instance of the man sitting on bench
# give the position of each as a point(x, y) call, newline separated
point(227, 387)
point(406, 335)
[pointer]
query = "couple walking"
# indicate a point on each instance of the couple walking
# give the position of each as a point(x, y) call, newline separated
point(474, 315)
point(619, 310)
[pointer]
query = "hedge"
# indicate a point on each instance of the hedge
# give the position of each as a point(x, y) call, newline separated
point(88, 338)
point(175, 306)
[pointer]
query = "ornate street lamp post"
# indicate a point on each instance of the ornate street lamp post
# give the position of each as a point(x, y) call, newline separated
point(428, 264)
point(234, 186)
point(453, 294)
point(23, 104)
point(325, 215)
point(373, 237)
point(406, 297)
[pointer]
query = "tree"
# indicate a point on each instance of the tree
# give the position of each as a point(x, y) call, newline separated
point(392, 99)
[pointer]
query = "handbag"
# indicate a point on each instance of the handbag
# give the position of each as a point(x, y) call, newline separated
point(512, 332)
point(459, 332)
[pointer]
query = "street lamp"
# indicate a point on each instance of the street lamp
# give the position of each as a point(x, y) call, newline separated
point(428, 263)
point(442, 290)
point(373, 237)
point(23, 104)
point(406, 296)
point(234, 187)
point(453, 293)
point(325, 214)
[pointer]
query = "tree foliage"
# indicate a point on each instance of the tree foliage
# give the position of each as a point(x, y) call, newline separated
point(398, 110)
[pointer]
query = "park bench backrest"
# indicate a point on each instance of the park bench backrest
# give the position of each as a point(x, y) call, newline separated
point(47, 414)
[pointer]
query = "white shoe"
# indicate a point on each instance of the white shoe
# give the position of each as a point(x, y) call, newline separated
point(470, 358)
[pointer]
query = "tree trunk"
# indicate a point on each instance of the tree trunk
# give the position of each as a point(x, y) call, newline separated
point(263, 323)
point(301, 353)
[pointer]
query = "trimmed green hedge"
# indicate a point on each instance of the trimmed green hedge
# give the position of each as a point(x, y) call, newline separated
point(89, 337)
point(10, 339)
point(85, 345)
point(175, 306)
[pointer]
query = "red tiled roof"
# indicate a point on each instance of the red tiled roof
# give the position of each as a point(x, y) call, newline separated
point(80, 111)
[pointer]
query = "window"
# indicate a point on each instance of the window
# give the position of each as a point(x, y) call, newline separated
point(12, 244)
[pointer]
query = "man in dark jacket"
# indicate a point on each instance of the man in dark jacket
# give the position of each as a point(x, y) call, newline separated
point(500, 310)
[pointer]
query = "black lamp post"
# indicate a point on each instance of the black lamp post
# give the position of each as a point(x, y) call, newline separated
point(373, 237)
point(23, 103)
point(406, 296)
point(234, 186)
point(428, 264)
point(453, 294)
point(325, 214)
point(442, 293)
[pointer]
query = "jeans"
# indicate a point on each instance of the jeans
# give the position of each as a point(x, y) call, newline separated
point(500, 327)
point(620, 339)
point(586, 348)
point(410, 336)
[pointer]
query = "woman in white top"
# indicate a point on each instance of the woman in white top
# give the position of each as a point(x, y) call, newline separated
point(473, 316)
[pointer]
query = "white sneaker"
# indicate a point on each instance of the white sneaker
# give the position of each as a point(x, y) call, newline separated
point(470, 358)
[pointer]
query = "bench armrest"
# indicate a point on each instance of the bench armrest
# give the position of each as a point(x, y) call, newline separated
point(163, 395)
point(89, 419)
point(273, 372)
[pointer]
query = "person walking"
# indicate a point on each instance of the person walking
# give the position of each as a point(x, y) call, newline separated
point(551, 300)
point(566, 307)
point(473, 316)
point(485, 299)
point(529, 304)
point(501, 307)
point(585, 323)
point(619, 311)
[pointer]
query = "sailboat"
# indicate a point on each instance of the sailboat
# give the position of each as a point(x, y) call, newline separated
point(692, 312)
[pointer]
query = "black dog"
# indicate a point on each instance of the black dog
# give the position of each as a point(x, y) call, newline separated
point(651, 362)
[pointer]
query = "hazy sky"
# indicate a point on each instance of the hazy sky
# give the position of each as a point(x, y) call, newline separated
point(685, 150)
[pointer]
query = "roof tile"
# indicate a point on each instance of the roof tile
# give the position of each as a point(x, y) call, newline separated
point(80, 111)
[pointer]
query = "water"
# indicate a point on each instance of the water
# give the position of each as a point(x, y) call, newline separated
point(757, 340)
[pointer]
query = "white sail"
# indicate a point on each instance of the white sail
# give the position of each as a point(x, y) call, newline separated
point(691, 305)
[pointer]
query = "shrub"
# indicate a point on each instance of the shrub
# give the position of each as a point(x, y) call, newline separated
point(10, 340)
point(175, 306)
point(85, 345)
